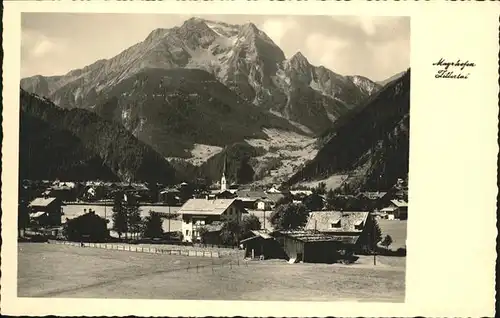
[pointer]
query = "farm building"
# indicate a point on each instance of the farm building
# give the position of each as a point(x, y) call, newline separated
point(211, 235)
point(262, 245)
point(250, 198)
point(226, 194)
point(64, 191)
point(344, 223)
point(311, 246)
point(398, 209)
point(46, 211)
point(196, 213)
point(248, 203)
point(251, 194)
point(378, 199)
point(170, 196)
point(87, 227)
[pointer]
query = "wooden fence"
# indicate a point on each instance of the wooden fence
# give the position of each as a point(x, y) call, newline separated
point(142, 249)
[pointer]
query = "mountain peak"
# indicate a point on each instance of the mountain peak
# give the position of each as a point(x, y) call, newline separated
point(194, 23)
point(299, 57)
point(250, 30)
point(250, 26)
point(194, 20)
point(299, 61)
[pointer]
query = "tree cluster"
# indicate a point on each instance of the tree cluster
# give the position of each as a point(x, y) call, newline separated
point(233, 232)
point(339, 202)
point(127, 219)
point(289, 216)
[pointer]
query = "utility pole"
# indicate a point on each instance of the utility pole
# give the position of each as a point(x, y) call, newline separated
point(105, 217)
point(374, 243)
point(264, 216)
point(169, 220)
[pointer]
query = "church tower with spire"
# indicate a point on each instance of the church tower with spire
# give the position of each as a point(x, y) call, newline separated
point(223, 182)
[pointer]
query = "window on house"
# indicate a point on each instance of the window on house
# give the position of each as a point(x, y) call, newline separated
point(336, 224)
point(358, 225)
point(187, 232)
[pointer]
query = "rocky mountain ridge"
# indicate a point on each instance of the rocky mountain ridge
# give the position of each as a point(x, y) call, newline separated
point(242, 57)
point(214, 88)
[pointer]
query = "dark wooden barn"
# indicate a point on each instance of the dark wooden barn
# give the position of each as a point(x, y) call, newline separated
point(315, 247)
point(262, 245)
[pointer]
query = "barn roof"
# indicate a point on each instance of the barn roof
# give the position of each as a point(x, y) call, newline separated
point(37, 214)
point(251, 194)
point(259, 195)
point(206, 206)
point(399, 203)
point(322, 221)
point(388, 209)
point(315, 236)
point(42, 202)
point(374, 195)
point(274, 197)
point(262, 233)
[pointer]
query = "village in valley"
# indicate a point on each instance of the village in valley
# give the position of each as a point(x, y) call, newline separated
point(296, 225)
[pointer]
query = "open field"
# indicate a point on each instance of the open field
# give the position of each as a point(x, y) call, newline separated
point(396, 229)
point(47, 270)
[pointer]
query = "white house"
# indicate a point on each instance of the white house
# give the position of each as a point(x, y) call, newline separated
point(264, 204)
point(196, 213)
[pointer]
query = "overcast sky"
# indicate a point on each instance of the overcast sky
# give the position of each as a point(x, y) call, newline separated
point(375, 47)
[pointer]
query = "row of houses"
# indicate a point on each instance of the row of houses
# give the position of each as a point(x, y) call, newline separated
point(327, 235)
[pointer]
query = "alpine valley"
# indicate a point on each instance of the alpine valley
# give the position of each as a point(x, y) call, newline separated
point(189, 97)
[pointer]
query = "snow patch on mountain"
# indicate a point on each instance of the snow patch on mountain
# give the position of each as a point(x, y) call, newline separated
point(223, 29)
point(331, 116)
point(363, 83)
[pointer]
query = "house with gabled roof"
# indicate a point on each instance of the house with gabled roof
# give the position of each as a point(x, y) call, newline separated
point(46, 211)
point(344, 223)
point(197, 213)
point(339, 222)
point(398, 209)
point(377, 199)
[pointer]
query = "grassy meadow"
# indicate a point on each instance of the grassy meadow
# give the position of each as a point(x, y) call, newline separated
point(48, 270)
